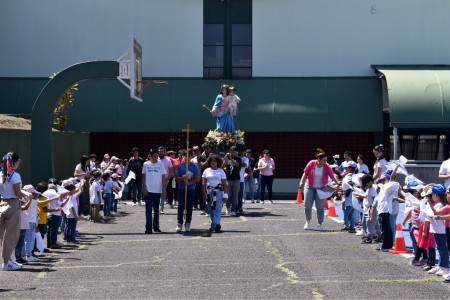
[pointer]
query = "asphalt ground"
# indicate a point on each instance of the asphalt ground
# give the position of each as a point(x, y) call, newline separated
point(264, 254)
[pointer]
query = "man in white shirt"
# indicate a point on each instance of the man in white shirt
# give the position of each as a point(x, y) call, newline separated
point(153, 185)
point(444, 172)
point(162, 157)
point(245, 163)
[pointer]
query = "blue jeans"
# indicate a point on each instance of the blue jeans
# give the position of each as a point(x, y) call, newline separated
point(215, 213)
point(348, 217)
point(189, 207)
point(52, 232)
point(152, 203)
point(30, 239)
point(114, 203)
point(413, 239)
point(311, 196)
point(20, 247)
point(250, 180)
point(107, 205)
point(258, 187)
point(386, 230)
point(441, 245)
point(70, 231)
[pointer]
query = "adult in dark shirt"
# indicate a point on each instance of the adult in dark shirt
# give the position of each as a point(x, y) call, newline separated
point(135, 165)
point(232, 167)
point(201, 161)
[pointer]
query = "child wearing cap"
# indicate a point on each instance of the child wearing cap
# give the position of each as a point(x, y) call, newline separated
point(95, 196)
point(107, 188)
point(437, 226)
point(368, 223)
point(117, 187)
point(20, 249)
point(71, 210)
point(54, 215)
point(42, 208)
point(347, 187)
point(31, 212)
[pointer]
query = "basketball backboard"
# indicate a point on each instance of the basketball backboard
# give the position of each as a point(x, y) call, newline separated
point(130, 69)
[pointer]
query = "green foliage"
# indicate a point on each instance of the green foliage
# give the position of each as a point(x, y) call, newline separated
point(60, 114)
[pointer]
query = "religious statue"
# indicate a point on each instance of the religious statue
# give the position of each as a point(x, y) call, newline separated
point(225, 108)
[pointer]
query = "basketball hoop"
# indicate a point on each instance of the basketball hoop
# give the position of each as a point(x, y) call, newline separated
point(130, 71)
point(145, 83)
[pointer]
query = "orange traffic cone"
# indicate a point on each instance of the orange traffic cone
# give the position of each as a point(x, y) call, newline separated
point(400, 246)
point(325, 203)
point(299, 197)
point(331, 209)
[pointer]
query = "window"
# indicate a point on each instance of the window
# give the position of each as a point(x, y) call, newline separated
point(213, 51)
point(227, 39)
point(421, 147)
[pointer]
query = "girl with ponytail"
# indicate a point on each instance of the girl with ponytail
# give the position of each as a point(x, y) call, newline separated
point(11, 183)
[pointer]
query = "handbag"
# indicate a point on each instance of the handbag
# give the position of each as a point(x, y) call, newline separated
point(39, 242)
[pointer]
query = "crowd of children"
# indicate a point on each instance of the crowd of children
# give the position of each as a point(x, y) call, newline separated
point(372, 205)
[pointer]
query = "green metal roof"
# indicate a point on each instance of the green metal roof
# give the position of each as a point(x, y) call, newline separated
point(416, 96)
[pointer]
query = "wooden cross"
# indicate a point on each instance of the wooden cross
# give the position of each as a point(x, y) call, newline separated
point(187, 130)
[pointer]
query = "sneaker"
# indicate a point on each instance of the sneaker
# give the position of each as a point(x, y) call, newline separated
point(233, 214)
point(446, 277)
point(218, 228)
point(319, 227)
point(306, 225)
point(179, 227)
point(148, 231)
point(241, 211)
point(32, 259)
point(360, 233)
point(427, 268)
point(55, 246)
point(202, 213)
point(140, 203)
point(134, 204)
point(442, 271)
point(257, 201)
point(161, 211)
point(271, 202)
point(227, 212)
point(253, 201)
point(17, 264)
point(423, 262)
point(157, 230)
point(262, 202)
point(171, 205)
point(21, 260)
point(11, 266)
point(206, 215)
point(434, 270)
point(187, 227)
point(366, 241)
point(415, 262)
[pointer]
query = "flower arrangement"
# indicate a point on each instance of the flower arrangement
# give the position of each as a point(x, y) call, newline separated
point(224, 140)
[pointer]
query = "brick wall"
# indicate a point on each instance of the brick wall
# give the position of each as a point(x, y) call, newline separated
point(290, 150)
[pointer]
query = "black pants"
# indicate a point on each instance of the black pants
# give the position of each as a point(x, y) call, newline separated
point(199, 202)
point(386, 230)
point(171, 192)
point(266, 181)
point(136, 189)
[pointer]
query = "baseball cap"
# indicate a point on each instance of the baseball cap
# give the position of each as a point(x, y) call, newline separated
point(349, 164)
point(30, 189)
point(115, 175)
point(438, 189)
